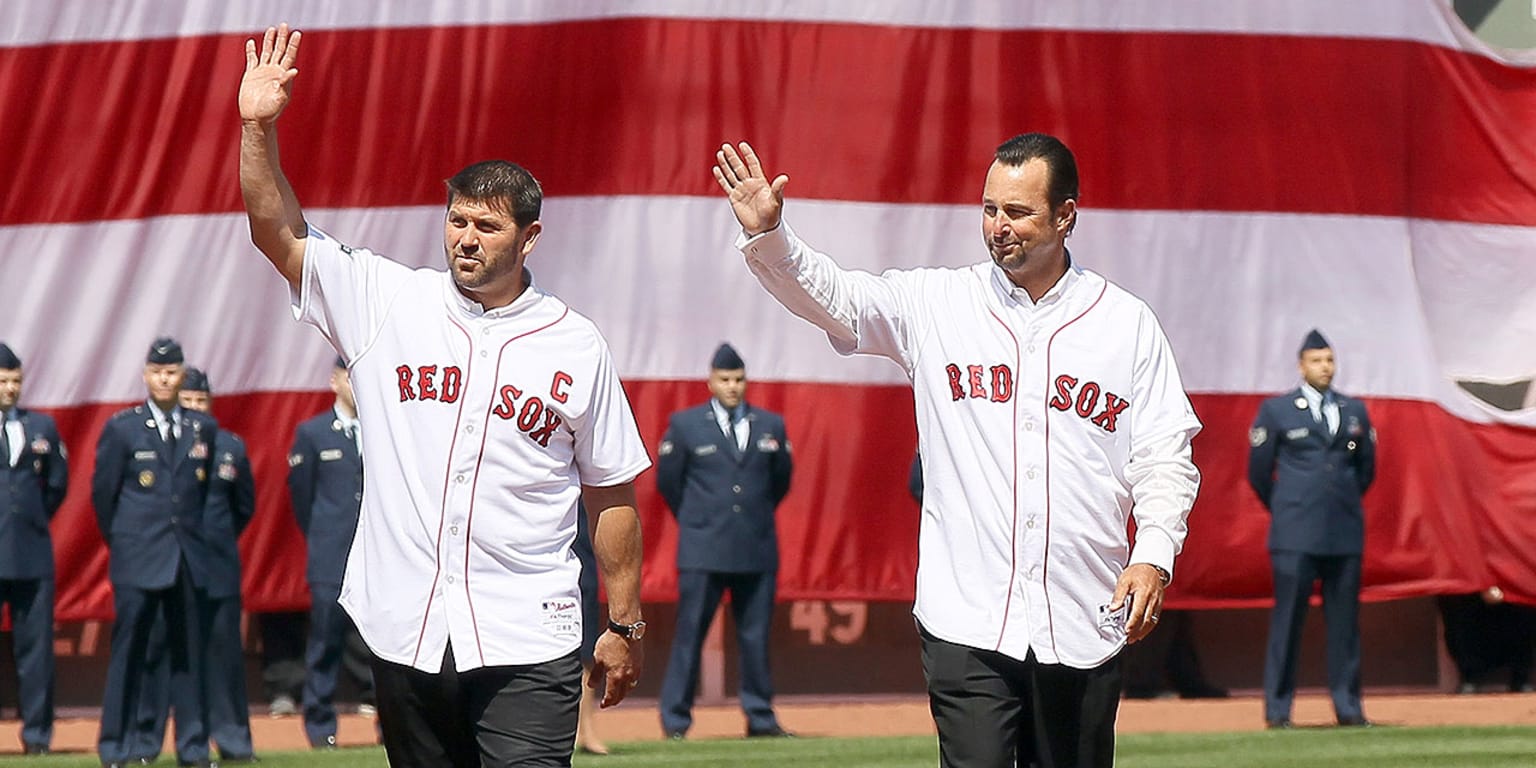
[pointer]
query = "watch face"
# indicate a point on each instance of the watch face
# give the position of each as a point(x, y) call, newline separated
point(637, 630)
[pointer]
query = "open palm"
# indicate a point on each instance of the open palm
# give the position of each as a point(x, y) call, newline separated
point(268, 81)
point(758, 203)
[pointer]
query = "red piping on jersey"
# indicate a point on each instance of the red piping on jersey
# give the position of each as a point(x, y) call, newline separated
point(1045, 570)
point(1013, 541)
point(442, 505)
point(469, 519)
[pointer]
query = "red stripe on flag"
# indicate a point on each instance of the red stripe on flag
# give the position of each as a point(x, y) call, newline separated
point(1225, 122)
point(848, 529)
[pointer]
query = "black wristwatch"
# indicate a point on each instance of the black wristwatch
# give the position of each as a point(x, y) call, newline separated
point(633, 631)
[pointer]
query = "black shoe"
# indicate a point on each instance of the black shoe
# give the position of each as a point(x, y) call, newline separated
point(238, 759)
point(1466, 689)
point(1355, 722)
point(1279, 725)
point(35, 749)
point(775, 732)
point(328, 742)
point(677, 735)
point(197, 763)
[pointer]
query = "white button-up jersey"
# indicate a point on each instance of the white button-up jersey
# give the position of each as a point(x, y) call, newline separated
point(480, 428)
point(1043, 428)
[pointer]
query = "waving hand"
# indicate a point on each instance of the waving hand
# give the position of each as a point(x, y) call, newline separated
point(758, 203)
point(268, 81)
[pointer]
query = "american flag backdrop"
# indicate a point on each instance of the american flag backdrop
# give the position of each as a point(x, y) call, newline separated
point(1252, 170)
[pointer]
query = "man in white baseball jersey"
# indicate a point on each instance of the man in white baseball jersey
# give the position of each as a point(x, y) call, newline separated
point(489, 409)
point(1049, 413)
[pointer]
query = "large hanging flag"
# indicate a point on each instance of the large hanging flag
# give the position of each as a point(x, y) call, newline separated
point(1252, 170)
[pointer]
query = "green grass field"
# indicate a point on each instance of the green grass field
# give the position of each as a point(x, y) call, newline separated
point(1501, 747)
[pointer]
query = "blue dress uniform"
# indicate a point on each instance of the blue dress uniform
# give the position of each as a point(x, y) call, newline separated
point(149, 496)
point(231, 503)
point(1311, 480)
point(34, 474)
point(325, 483)
point(724, 501)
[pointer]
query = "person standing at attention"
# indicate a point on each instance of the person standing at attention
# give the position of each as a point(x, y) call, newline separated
point(1312, 456)
point(723, 468)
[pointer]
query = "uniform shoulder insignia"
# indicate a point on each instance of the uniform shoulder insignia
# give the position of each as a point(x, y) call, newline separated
point(665, 449)
point(1258, 436)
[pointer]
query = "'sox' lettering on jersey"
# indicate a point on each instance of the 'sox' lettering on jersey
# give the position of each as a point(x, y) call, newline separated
point(421, 383)
point(1086, 400)
point(537, 421)
point(975, 385)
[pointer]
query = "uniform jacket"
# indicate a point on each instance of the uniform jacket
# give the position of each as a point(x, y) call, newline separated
point(325, 483)
point(724, 500)
point(1312, 482)
point(30, 493)
point(231, 503)
point(149, 497)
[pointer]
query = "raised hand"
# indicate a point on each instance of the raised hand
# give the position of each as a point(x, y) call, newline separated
point(758, 203)
point(268, 82)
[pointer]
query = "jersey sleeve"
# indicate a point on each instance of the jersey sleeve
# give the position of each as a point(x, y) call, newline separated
point(608, 448)
point(1161, 472)
point(861, 313)
point(345, 291)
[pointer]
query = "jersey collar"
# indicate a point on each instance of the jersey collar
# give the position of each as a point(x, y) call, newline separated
point(526, 300)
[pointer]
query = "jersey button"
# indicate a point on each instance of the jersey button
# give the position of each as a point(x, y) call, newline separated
point(1029, 426)
point(453, 530)
point(1031, 348)
point(459, 479)
point(450, 579)
point(1030, 523)
point(1030, 474)
point(470, 429)
point(483, 353)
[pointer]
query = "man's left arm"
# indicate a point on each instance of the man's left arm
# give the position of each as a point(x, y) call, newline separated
point(56, 483)
point(242, 502)
point(617, 545)
point(1365, 451)
point(783, 464)
point(1161, 474)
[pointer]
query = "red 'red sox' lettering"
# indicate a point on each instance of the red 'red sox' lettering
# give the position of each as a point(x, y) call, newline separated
point(1086, 399)
point(531, 415)
point(971, 383)
point(421, 383)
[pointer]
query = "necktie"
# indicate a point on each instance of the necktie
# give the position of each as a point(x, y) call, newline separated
point(1327, 401)
point(5, 442)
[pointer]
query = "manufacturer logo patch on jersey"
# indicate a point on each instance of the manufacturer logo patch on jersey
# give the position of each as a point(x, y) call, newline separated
point(1258, 436)
point(561, 618)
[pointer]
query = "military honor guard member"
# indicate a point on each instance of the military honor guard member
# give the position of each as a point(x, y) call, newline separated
point(723, 467)
point(231, 503)
point(34, 475)
point(325, 484)
point(153, 466)
point(1312, 456)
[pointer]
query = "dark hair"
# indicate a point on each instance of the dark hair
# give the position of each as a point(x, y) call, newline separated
point(500, 183)
point(1063, 166)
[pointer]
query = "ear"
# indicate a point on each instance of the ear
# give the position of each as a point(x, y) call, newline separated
point(531, 236)
point(1066, 217)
